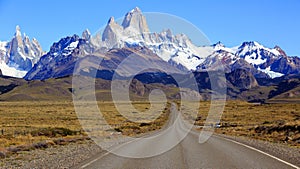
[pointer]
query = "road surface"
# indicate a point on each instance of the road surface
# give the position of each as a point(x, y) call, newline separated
point(217, 152)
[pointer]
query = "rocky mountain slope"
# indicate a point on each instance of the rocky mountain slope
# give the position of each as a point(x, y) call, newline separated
point(64, 55)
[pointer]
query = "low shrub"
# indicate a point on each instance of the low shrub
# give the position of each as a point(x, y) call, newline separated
point(53, 132)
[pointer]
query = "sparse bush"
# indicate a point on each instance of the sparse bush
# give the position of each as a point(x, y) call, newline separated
point(131, 127)
point(198, 118)
point(2, 154)
point(60, 141)
point(40, 145)
point(53, 132)
point(118, 130)
point(144, 124)
point(20, 148)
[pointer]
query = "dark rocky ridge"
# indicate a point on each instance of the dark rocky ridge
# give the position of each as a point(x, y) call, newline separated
point(242, 79)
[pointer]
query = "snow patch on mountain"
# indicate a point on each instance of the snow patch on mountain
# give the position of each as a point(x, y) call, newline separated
point(3, 45)
point(272, 74)
point(69, 49)
point(11, 71)
point(255, 59)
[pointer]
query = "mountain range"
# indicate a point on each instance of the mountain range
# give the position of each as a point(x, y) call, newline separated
point(247, 66)
point(19, 56)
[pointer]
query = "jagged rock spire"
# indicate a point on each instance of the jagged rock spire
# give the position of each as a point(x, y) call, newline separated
point(18, 31)
point(86, 34)
point(135, 20)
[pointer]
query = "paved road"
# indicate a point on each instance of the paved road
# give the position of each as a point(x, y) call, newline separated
point(217, 152)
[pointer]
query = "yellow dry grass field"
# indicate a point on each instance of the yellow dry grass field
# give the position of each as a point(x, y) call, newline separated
point(23, 123)
point(27, 122)
point(272, 122)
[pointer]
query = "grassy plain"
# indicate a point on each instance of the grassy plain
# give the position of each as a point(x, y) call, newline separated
point(272, 122)
point(23, 123)
point(27, 122)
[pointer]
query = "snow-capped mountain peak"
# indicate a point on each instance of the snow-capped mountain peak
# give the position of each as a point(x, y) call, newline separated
point(61, 54)
point(135, 20)
point(18, 31)
point(178, 49)
point(19, 55)
point(252, 46)
point(175, 49)
point(260, 60)
point(218, 45)
point(86, 34)
point(256, 54)
point(65, 46)
point(136, 9)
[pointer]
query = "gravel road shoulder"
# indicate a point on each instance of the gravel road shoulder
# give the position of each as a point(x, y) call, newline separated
point(60, 157)
point(54, 157)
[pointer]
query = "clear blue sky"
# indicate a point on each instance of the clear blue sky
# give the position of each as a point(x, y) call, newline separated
point(230, 21)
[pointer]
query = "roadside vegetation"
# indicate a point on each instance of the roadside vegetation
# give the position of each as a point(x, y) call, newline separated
point(29, 125)
point(276, 122)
